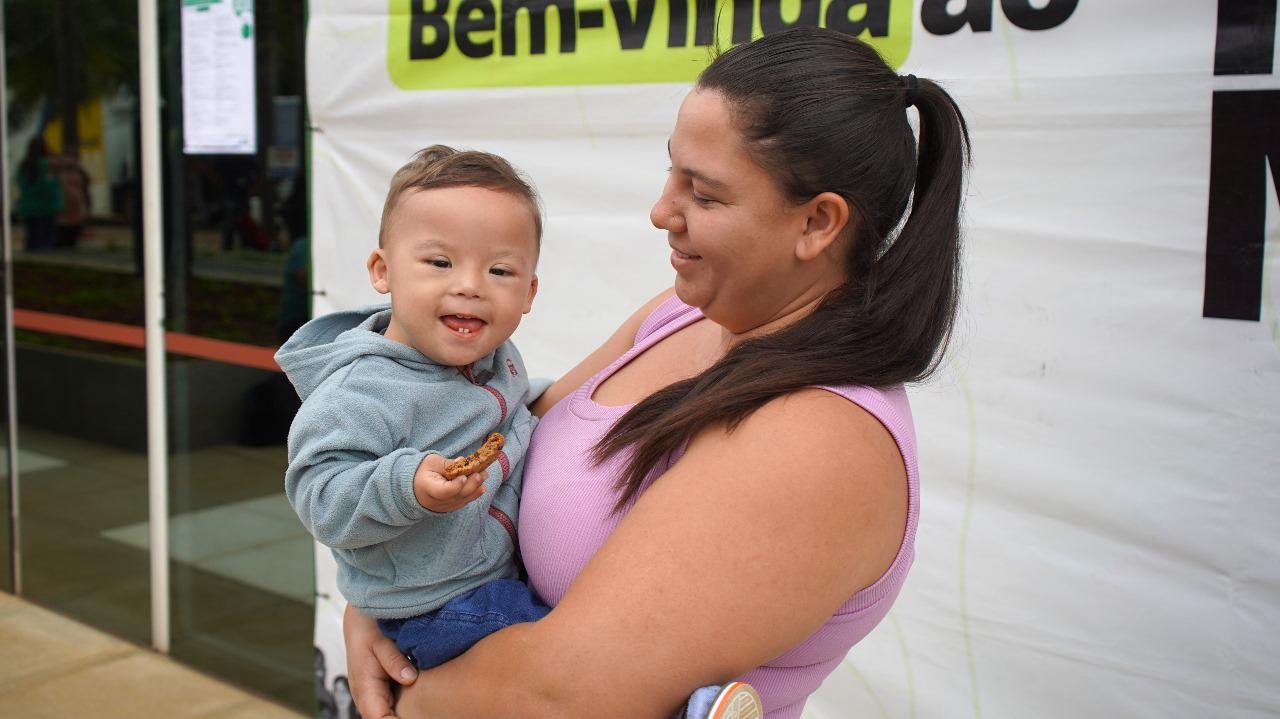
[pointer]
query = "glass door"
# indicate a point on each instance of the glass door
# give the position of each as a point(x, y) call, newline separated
point(236, 270)
point(77, 293)
point(236, 285)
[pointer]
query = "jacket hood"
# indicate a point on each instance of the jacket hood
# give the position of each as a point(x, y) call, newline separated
point(327, 344)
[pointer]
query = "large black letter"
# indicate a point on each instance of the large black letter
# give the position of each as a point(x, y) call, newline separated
point(744, 16)
point(632, 29)
point(419, 20)
point(771, 15)
point(678, 19)
point(936, 19)
point(704, 28)
point(1245, 136)
point(1246, 37)
point(565, 13)
point(1021, 13)
point(677, 23)
point(464, 24)
point(876, 18)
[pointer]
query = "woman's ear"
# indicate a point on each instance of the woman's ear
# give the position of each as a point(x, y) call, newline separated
point(377, 265)
point(826, 217)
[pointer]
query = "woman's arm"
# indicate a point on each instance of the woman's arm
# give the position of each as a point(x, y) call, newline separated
point(613, 348)
point(738, 553)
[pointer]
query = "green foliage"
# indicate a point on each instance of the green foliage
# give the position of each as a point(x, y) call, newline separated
point(43, 36)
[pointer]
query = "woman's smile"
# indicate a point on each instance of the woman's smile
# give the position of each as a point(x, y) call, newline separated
point(681, 260)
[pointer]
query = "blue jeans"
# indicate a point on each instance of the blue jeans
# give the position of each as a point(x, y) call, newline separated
point(436, 637)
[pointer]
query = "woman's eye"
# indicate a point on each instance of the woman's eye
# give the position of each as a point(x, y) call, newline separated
point(702, 200)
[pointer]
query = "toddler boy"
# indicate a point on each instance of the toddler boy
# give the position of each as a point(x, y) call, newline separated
point(389, 392)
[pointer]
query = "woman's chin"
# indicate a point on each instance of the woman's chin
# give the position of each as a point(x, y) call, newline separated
point(688, 293)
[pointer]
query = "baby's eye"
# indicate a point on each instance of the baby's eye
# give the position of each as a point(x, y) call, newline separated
point(500, 271)
point(439, 262)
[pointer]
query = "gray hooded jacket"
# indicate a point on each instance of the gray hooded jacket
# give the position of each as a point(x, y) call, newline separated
point(372, 410)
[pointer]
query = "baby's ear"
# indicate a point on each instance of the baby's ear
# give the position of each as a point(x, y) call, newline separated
point(533, 291)
point(377, 266)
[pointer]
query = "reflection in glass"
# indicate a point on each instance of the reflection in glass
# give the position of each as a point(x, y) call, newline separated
point(71, 81)
point(236, 272)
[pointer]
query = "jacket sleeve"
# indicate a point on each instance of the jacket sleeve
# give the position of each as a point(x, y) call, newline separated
point(349, 483)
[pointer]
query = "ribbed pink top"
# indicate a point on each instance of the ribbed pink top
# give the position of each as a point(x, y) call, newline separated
point(566, 515)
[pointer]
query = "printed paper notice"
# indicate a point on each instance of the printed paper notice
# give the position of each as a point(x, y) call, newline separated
point(219, 111)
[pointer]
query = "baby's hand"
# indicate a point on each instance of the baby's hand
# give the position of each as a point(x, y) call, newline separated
point(444, 495)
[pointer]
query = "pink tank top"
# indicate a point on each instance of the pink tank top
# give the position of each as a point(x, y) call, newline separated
point(566, 515)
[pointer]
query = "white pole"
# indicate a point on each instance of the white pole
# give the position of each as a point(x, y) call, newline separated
point(153, 288)
point(10, 375)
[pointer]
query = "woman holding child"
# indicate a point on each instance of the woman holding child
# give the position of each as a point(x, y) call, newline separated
point(727, 488)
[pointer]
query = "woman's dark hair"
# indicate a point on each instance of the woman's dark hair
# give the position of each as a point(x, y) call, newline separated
point(29, 168)
point(822, 112)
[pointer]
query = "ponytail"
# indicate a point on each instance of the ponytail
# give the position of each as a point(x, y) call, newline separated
point(822, 112)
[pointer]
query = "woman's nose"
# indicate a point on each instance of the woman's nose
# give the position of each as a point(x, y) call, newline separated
point(664, 215)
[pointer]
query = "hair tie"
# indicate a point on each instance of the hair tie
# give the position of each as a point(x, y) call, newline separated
point(910, 83)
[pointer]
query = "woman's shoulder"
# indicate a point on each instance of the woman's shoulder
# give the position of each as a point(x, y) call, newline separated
point(812, 433)
point(832, 417)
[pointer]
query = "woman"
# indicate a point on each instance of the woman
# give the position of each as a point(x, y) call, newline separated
point(39, 196)
point(754, 508)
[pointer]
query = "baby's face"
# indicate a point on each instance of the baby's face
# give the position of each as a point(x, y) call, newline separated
point(459, 264)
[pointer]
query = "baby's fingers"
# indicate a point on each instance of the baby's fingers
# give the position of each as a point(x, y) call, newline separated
point(470, 486)
point(442, 489)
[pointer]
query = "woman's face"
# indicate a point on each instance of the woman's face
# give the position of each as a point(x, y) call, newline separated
point(731, 230)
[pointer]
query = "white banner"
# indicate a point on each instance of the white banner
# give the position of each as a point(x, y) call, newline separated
point(1100, 456)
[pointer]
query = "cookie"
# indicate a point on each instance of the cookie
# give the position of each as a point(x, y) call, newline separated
point(477, 461)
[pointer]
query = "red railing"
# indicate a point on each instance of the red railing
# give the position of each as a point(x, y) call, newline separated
point(134, 336)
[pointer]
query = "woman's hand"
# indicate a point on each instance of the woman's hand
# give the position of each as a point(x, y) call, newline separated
point(372, 662)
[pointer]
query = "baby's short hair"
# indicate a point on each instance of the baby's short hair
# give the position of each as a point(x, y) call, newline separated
point(439, 166)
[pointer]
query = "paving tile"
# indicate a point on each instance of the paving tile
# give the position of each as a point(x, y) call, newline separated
point(257, 710)
point(283, 567)
point(59, 555)
point(53, 667)
point(79, 478)
point(10, 604)
point(38, 642)
point(31, 461)
point(64, 447)
point(132, 685)
point(217, 531)
point(254, 636)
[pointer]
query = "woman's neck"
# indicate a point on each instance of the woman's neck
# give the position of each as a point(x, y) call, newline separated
point(789, 313)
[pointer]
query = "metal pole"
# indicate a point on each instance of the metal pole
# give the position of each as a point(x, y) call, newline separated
point(10, 375)
point(153, 288)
